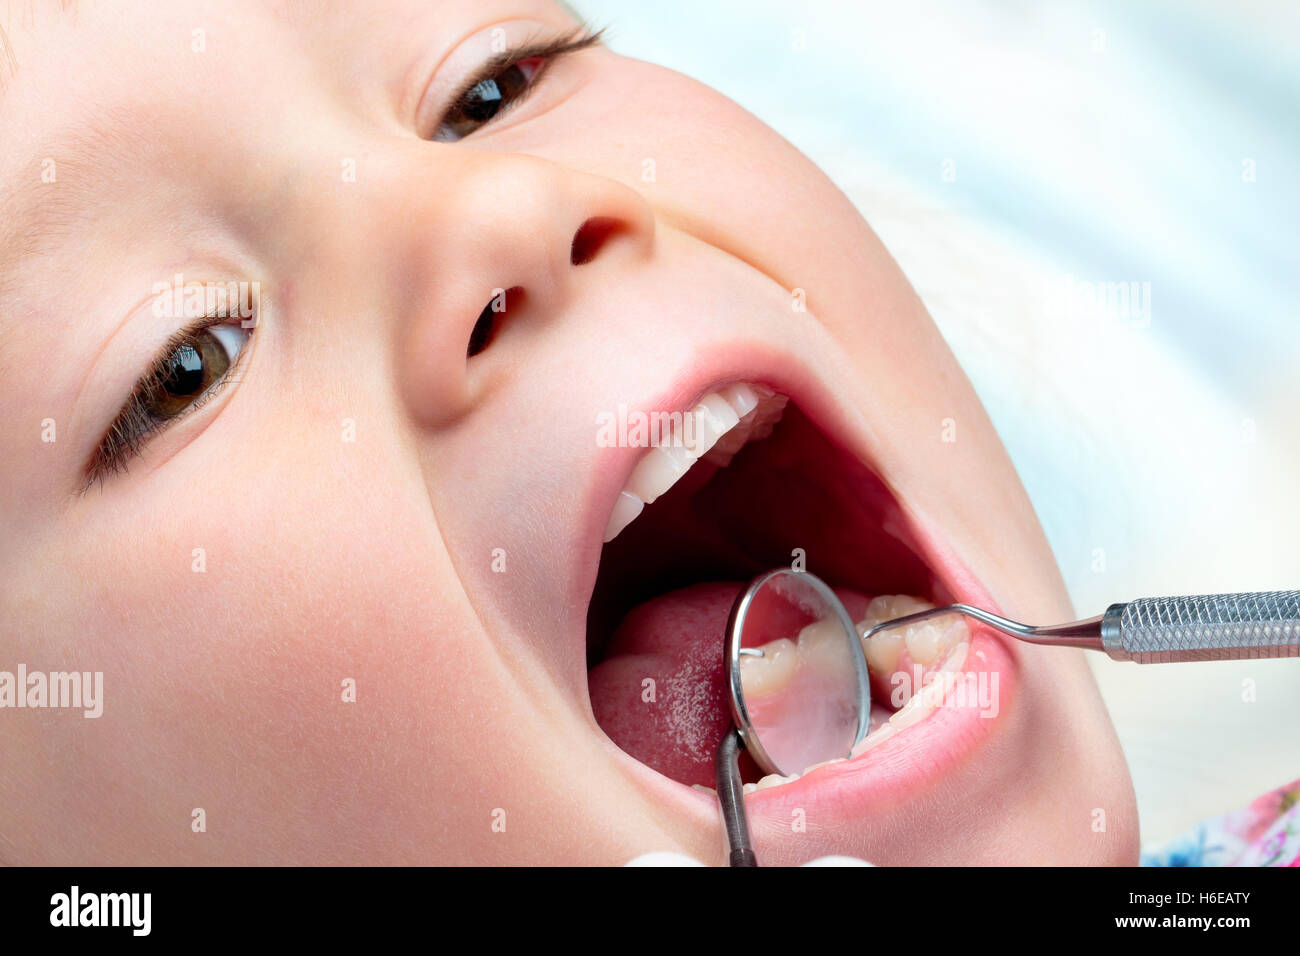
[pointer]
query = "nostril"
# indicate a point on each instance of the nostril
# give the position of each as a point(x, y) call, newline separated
point(485, 329)
point(482, 334)
point(591, 235)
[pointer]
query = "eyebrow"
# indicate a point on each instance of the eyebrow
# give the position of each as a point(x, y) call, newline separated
point(38, 216)
point(15, 246)
point(7, 60)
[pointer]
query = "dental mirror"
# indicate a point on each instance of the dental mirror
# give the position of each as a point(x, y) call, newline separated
point(797, 679)
point(796, 674)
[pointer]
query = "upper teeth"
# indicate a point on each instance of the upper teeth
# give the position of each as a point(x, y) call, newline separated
point(720, 424)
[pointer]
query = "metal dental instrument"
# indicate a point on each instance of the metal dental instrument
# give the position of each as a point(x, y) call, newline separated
point(732, 797)
point(1161, 630)
point(823, 706)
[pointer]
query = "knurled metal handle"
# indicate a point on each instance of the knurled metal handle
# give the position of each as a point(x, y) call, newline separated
point(1204, 627)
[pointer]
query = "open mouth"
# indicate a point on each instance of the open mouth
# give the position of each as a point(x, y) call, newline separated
point(759, 486)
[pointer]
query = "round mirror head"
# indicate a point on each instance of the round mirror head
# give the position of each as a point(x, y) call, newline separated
point(796, 673)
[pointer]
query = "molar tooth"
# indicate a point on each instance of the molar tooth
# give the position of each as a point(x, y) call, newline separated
point(931, 641)
point(748, 788)
point(821, 645)
point(626, 509)
point(925, 641)
point(703, 789)
point(882, 651)
point(886, 607)
point(773, 671)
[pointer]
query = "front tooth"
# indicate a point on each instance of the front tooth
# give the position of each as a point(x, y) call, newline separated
point(913, 712)
point(625, 512)
point(772, 672)
point(722, 422)
point(956, 658)
point(660, 469)
point(775, 780)
point(876, 737)
point(741, 397)
point(824, 763)
point(712, 419)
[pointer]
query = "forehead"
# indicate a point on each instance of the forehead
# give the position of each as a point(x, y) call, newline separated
point(96, 80)
point(97, 98)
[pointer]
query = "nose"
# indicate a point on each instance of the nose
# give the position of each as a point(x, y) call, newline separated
point(493, 244)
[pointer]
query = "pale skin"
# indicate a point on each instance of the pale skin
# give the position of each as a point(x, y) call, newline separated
point(344, 497)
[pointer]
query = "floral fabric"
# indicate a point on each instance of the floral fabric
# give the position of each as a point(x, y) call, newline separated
point(1265, 833)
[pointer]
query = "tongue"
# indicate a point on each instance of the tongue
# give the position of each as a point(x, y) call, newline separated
point(660, 694)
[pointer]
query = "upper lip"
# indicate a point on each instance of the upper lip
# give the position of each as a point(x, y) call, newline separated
point(845, 793)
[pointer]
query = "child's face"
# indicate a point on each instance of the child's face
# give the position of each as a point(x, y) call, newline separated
point(361, 500)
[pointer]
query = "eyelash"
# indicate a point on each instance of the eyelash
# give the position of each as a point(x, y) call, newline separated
point(548, 51)
point(134, 426)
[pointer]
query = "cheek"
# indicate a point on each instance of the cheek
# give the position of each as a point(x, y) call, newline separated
point(713, 169)
point(1076, 800)
point(297, 665)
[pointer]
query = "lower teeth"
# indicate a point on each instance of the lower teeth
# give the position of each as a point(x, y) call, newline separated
point(898, 660)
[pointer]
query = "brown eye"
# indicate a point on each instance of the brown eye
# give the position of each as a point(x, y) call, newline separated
point(189, 371)
point(485, 99)
point(192, 365)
